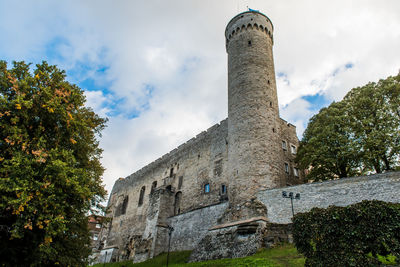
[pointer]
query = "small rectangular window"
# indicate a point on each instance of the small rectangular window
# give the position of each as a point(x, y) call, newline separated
point(296, 172)
point(95, 237)
point(98, 225)
point(286, 167)
point(207, 188)
point(293, 149)
point(284, 146)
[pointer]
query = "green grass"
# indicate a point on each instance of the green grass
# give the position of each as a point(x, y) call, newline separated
point(284, 255)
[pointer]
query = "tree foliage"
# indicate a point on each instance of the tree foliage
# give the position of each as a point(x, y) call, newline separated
point(357, 235)
point(50, 171)
point(357, 135)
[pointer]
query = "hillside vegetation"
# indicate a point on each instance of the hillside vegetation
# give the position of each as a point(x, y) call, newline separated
point(284, 255)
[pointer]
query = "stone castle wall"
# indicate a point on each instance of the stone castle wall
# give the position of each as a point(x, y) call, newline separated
point(185, 170)
point(341, 192)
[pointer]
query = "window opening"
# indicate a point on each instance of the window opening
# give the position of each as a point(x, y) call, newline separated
point(284, 146)
point(286, 167)
point(180, 182)
point(124, 205)
point(177, 204)
point(223, 189)
point(141, 195)
point(249, 42)
point(293, 149)
point(171, 172)
point(153, 187)
point(207, 188)
point(296, 172)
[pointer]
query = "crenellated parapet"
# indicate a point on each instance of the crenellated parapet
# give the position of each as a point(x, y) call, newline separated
point(180, 151)
point(246, 21)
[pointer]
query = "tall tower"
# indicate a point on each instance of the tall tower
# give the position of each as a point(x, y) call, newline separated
point(254, 155)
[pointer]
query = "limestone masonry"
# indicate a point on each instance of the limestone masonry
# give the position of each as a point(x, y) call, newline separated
point(221, 190)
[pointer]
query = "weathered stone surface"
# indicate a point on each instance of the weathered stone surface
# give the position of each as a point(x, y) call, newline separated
point(234, 241)
point(191, 227)
point(342, 192)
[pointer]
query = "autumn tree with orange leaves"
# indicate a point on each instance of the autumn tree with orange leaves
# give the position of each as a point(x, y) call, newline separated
point(50, 171)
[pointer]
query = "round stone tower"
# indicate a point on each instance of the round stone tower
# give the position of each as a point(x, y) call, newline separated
point(254, 155)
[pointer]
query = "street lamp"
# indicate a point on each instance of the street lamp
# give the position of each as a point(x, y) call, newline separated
point(291, 196)
point(170, 230)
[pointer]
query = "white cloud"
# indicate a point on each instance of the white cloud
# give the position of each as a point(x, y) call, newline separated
point(177, 47)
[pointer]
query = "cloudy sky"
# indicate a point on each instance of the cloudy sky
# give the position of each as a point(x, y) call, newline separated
point(158, 69)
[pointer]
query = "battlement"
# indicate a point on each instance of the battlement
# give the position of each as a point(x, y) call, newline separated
point(288, 124)
point(249, 20)
point(173, 154)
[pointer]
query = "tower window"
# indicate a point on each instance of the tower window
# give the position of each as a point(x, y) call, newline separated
point(207, 188)
point(284, 146)
point(141, 196)
point(286, 168)
point(249, 42)
point(296, 172)
point(293, 149)
point(171, 172)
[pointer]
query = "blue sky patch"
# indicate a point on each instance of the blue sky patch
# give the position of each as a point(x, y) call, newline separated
point(316, 101)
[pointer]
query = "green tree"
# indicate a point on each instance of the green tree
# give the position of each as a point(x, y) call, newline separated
point(328, 146)
point(374, 112)
point(361, 133)
point(50, 171)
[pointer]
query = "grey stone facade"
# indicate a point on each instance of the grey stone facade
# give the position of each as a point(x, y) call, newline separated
point(341, 192)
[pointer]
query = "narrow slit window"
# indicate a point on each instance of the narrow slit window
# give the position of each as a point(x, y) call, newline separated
point(249, 43)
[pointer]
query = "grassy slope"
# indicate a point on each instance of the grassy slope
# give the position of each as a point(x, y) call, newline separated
point(285, 255)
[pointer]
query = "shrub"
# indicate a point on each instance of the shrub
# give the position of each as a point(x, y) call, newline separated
point(356, 235)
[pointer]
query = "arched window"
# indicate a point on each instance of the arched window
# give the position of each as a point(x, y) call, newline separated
point(207, 188)
point(177, 204)
point(153, 187)
point(141, 195)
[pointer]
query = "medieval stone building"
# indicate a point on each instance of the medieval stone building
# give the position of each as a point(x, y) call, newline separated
point(212, 189)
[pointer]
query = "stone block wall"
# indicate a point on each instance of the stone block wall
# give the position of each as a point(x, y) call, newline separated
point(191, 227)
point(341, 192)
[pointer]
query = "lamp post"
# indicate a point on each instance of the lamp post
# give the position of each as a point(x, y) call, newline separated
point(291, 196)
point(170, 230)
